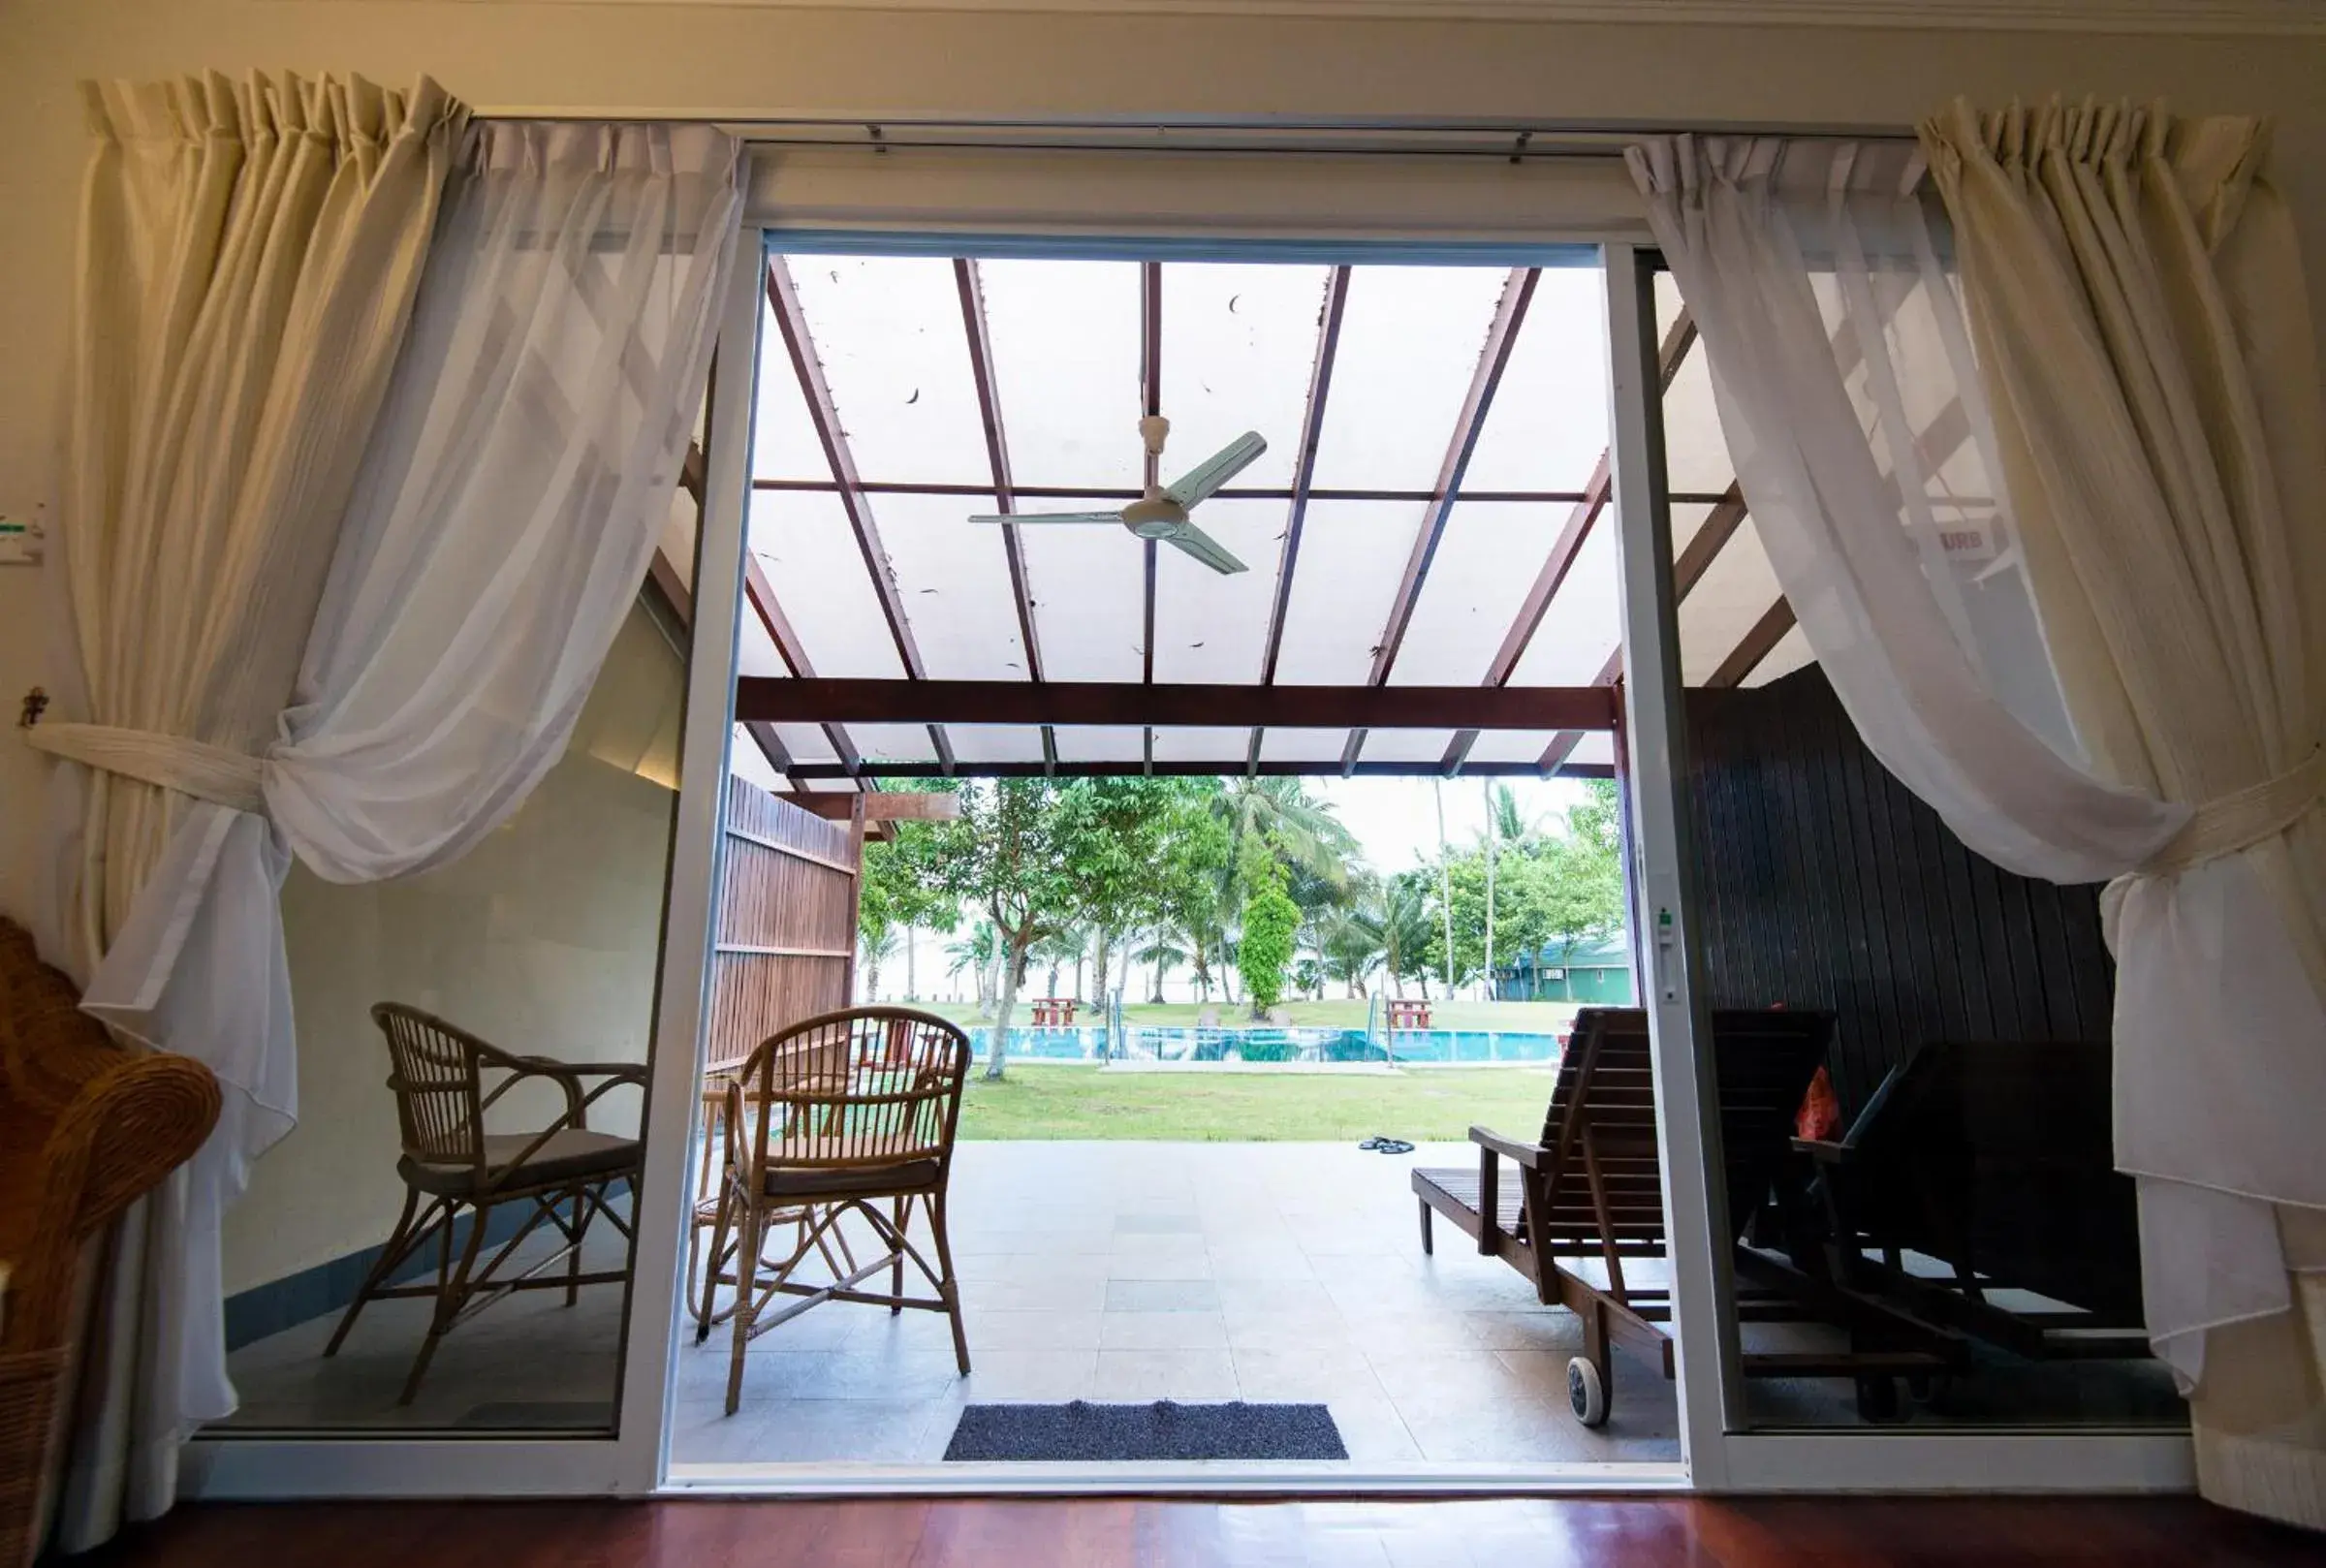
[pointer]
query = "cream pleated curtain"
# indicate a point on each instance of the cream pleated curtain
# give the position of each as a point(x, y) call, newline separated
point(2139, 311)
point(249, 255)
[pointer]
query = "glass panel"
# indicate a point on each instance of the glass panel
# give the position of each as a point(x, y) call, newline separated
point(811, 555)
point(1409, 343)
point(996, 742)
point(1208, 744)
point(542, 942)
point(1065, 340)
point(1548, 425)
point(806, 742)
point(1352, 553)
point(895, 743)
point(1596, 749)
point(1238, 346)
point(895, 355)
point(1510, 745)
point(1936, 1140)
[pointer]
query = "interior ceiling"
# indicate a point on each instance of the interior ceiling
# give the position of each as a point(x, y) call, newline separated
point(1431, 509)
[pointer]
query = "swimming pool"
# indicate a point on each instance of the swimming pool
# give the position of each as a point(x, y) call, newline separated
point(1145, 1043)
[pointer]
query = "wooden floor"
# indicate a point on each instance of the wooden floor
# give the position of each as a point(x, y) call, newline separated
point(1563, 1533)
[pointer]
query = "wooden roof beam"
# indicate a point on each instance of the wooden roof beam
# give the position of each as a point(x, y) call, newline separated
point(977, 327)
point(1494, 358)
point(1173, 705)
point(784, 298)
point(1304, 478)
point(1669, 355)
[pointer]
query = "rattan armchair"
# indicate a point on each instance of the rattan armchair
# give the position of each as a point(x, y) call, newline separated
point(453, 1167)
point(851, 1112)
point(87, 1127)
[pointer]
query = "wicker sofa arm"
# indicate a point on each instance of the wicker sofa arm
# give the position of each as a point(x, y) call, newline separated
point(130, 1126)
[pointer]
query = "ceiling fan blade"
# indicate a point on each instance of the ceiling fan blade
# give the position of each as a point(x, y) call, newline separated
point(1114, 517)
point(1221, 466)
point(1204, 548)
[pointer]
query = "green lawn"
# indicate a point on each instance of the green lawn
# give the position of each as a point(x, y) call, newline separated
point(1333, 1014)
point(1051, 1100)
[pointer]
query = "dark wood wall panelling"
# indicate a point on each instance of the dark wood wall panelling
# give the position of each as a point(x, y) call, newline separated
point(1826, 883)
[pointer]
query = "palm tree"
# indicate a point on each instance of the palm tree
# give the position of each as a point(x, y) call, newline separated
point(1349, 941)
point(885, 947)
point(974, 952)
point(1303, 828)
point(1162, 953)
point(1407, 932)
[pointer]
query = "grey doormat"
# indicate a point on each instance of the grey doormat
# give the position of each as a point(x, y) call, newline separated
point(1162, 1431)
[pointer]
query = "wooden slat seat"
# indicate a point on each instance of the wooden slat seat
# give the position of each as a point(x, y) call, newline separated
point(1592, 1189)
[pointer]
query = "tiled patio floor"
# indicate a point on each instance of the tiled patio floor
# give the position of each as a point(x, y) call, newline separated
point(1187, 1271)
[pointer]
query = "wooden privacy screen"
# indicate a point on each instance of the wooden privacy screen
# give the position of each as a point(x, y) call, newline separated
point(1825, 884)
point(787, 920)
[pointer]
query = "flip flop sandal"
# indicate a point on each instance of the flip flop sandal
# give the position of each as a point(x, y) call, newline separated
point(1385, 1145)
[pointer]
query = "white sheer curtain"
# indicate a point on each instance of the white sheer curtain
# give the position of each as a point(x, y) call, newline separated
point(1854, 411)
point(500, 528)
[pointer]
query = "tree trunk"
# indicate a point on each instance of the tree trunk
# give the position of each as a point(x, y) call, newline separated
point(1105, 963)
point(1054, 978)
point(1080, 954)
point(997, 1050)
point(871, 977)
point(912, 980)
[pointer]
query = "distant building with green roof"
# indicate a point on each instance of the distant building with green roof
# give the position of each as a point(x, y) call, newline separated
point(1597, 972)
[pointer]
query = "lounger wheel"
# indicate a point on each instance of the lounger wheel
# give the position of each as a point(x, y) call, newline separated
point(1587, 1392)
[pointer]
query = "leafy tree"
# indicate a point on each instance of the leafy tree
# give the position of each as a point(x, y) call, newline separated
point(1409, 932)
point(1553, 892)
point(1269, 920)
point(903, 890)
point(1349, 940)
point(975, 952)
point(1163, 955)
point(1134, 843)
point(874, 951)
point(1011, 853)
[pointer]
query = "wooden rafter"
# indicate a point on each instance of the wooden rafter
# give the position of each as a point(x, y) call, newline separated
point(975, 326)
point(1163, 704)
point(762, 597)
point(784, 299)
point(1493, 356)
point(663, 572)
point(1210, 768)
point(1234, 492)
point(1766, 633)
point(1303, 476)
point(1569, 544)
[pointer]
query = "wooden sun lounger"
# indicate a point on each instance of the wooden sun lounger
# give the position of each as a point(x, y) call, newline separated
point(1993, 1160)
point(1589, 1197)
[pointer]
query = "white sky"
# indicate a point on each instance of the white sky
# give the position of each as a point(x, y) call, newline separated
point(1396, 818)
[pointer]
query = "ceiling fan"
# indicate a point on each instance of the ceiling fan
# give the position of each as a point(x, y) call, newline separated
point(1161, 514)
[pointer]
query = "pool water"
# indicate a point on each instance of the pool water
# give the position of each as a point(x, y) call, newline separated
point(1144, 1043)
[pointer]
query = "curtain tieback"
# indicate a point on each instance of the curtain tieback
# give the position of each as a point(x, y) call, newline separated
point(2241, 818)
point(168, 762)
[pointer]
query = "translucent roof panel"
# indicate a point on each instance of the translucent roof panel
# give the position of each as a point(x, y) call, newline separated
point(1791, 653)
point(996, 742)
point(1510, 745)
point(1212, 626)
point(1304, 745)
point(954, 576)
point(1406, 745)
point(811, 555)
point(1089, 584)
point(1101, 743)
point(1066, 338)
point(1548, 424)
point(783, 437)
point(806, 743)
point(1487, 560)
point(1695, 453)
point(1410, 338)
point(745, 761)
point(1584, 624)
point(896, 354)
point(755, 651)
point(1596, 749)
point(1734, 593)
point(1238, 346)
point(900, 742)
point(1352, 553)
point(1208, 744)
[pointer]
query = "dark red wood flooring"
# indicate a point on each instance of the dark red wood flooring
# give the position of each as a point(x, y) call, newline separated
point(1790, 1532)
